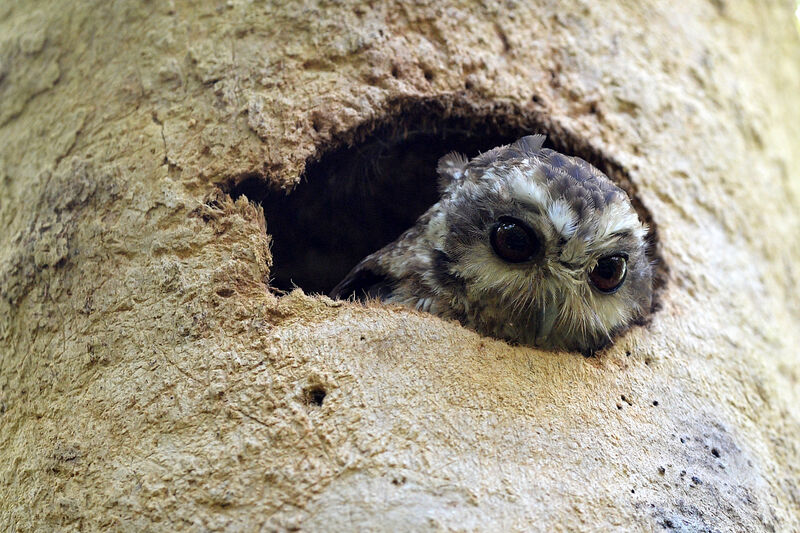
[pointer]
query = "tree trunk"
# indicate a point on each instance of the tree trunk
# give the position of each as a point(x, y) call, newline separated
point(150, 379)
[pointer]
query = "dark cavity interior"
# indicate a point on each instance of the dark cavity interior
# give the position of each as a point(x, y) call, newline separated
point(360, 196)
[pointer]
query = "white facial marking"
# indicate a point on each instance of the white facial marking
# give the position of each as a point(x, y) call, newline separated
point(526, 189)
point(562, 217)
point(616, 217)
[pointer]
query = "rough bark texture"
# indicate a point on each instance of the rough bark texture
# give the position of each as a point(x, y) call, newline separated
point(150, 380)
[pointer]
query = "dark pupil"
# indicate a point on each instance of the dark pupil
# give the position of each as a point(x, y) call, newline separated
point(609, 273)
point(514, 238)
point(513, 241)
point(607, 269)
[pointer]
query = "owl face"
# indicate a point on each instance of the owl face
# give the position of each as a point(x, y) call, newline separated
point(526, 244)
point(549, 251)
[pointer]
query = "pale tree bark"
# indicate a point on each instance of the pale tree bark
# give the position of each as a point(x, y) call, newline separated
point(150, 380)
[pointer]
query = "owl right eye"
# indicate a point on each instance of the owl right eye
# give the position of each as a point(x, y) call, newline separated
point(514, 241)
point(609, 274)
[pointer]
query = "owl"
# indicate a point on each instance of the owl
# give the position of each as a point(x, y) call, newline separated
point(526, 245)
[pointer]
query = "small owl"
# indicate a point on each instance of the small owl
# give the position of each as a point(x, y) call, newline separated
point(526, 245)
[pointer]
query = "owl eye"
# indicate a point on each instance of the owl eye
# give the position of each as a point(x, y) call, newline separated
point(609, 274)
point(514, 241)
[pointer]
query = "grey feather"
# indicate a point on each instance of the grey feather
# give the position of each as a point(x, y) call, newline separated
point(450, 169)
point(448, 265)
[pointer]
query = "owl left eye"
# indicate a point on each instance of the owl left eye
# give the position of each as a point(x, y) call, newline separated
point(514, 241)
point(609, 274)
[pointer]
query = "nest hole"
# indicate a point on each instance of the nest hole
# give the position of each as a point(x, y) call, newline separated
point(371, 184)
point(315, 395)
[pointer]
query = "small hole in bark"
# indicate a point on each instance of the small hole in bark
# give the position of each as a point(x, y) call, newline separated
point(395, 71)
point(428, 74)
point(369, 184)
point(315, 395)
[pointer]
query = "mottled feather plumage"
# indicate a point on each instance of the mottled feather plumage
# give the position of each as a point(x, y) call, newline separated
point(445, 264)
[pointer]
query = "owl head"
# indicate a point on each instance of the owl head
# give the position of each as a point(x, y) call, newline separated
point(538, 247)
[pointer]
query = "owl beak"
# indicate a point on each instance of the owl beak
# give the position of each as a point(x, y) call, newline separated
point(547, 319)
